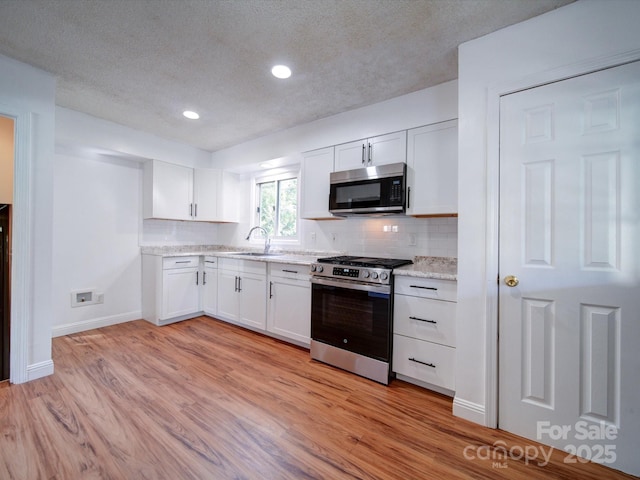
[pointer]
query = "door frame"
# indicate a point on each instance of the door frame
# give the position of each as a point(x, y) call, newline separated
point(21, 241)
point(494, 94)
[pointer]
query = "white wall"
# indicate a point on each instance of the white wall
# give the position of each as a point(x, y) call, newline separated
point(573, 39)
point(97, 216)
point(31, 91)
point(433, 237)
point(98, 226)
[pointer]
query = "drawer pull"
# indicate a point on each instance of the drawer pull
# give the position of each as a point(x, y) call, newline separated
point(209, 261)
point(424, 288)
point(290, 271)
point(422, 363)
point(184, 261)
point(422, 320)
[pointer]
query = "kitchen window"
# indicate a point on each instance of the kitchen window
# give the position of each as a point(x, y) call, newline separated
point(276, 205)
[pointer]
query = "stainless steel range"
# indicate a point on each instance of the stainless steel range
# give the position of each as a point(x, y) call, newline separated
point(352, 314)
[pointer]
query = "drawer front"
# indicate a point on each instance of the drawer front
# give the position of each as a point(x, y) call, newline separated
point(427, 288)
point(425, 361)
point(180, 262)
point(229, 263)
point(211, 262)
point(425, 319)
point(256, 267)
point(289, 270)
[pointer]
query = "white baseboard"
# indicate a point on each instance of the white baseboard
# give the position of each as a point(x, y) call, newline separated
point(39, 370)
point(84, 325)
point(473, 412)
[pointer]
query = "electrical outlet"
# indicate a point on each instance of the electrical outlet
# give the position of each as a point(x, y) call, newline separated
point(334, 237)
point(412, 239)
point(313, 237)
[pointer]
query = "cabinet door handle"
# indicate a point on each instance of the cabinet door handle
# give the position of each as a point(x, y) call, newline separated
point(197, 278)
point(370, 149)
point(235, 285)
point(363, 149)
point(290, 271)
point(409, 197)
point(270, 289)
point(239, 284)
point(424, 288)
point(422, 320)
point(195, 210)
point(204, 278)
point(422, 363)
point(191, 209)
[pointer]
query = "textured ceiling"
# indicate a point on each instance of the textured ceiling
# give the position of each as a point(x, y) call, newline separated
point(140, 63)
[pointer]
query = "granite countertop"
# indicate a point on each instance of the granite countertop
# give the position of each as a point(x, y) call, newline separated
point(276, 256)
point(442, 268)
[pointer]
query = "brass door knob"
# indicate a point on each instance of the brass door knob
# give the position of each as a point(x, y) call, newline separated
point(511, 281)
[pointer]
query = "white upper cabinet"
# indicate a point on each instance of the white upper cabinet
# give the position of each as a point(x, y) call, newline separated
point(206, 185)
point(380, 150)
point(317, 165)
point(168, 191)
point(432, 170)
point(176, 192)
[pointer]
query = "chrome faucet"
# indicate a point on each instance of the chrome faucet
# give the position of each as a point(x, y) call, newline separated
point(267, 241)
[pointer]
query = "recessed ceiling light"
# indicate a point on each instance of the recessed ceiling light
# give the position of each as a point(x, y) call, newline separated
point(281, 71)
point(191, 115)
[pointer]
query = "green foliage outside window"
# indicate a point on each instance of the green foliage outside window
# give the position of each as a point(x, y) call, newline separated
point(278, 207)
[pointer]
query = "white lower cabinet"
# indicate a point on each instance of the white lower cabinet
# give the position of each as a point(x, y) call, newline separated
point(289, 314)
point(242, 292)
point(210, 286)
point(424, 341)
point(233, 290)
point(170, 288)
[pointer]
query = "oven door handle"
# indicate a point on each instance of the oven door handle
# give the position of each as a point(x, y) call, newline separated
point(349, 285)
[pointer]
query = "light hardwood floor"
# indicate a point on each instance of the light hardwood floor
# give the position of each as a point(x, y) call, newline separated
point(205, 400)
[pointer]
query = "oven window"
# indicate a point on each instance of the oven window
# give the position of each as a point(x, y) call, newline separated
point(352, 320)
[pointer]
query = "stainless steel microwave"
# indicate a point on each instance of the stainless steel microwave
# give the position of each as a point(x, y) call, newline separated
point(372, 190)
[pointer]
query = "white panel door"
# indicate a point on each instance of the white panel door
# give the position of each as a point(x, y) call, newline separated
point(569, 216)
point(290, 309)
point(228, 298)
point(206, 191)
point(351, 155)
point(172, 191)
point(389, 148)
point(432, 169)
point(316, 170)
point(210, 291)
point(180, 292)
point(253, 300)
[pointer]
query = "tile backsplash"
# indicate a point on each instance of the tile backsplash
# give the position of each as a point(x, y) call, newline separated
point(393, 236)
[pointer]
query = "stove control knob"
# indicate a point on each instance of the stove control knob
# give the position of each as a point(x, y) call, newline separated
point(374, 275)
point(366, 274)
point(313, 268)
point(319, 268)
point(383, 276)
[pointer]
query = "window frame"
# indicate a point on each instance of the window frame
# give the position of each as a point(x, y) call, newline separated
point(275, 175)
